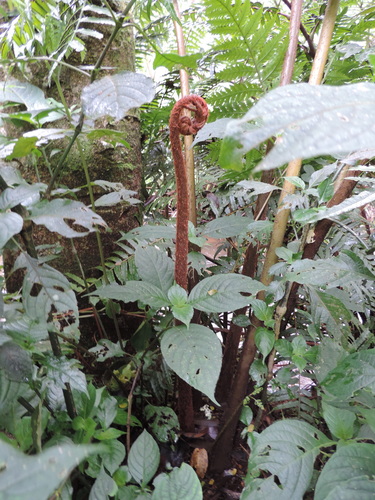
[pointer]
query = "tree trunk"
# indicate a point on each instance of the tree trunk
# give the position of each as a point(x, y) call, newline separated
point(104, 161)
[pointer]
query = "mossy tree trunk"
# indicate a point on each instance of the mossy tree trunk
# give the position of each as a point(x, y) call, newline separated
point(105, 161)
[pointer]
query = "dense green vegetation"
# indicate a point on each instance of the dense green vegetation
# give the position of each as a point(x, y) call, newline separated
point(113, 378)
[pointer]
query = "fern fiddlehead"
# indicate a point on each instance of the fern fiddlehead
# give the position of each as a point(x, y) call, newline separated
point(180, 124)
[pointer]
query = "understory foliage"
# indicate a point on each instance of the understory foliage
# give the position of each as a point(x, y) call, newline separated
point(98, 419)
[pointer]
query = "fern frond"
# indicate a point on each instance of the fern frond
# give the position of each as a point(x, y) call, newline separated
point(255, 54)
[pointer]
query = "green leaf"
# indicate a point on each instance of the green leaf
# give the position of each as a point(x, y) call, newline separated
point(152, 232)
point(181, 483)
point(223, 292)
point(44, 290)
point(106, 349)
point(115, 95)
point(62, 371)
point(15, 362)
point(52, 214)
point(113, 456)
point(353, 373)
point(312, 120)
point(24, 93)
point(103, 487)
point(155, 267)
point(195, 355)
point(348, 474)
point(36, 477)
point(287, 450)
point(264, 340)
point(133, 291)
point(180, 308)
point(144, 457)
point(263, 311)
point(10, 224)
point(296, 181)
point(170, 60)
point(355, 201)
point(284, 348)
point(326, 308)
point(231, 154)
point(226, 227)
point(110, 433)
point(23, 147)
point(24, 194)
point(163, 422)
point(340, 421)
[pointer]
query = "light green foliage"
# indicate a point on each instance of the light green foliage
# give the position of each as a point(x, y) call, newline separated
point(180, 483)
point(195, 355)
point(306, 116)
point(292, 447)
point(348, 474)
point(36, 477)
point(144, 457)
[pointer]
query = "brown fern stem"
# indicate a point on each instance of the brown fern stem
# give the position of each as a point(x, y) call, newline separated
point(180, 124)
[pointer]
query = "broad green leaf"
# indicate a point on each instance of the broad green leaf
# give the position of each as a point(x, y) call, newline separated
point(353, 373)
point(326, 308)
point(226, 227)
point(155, 267)
point(331, 272)
point(223, 292)
point(340, 421)
point(119, 196)
point(15, 362)
point(355, 201)
point(150, 232)
point(163, 422)
point(44, 290)
point(349, 474)
point(257, 187)
point(181, 483)
point(287, 450)
point(210, 130)
point(23, 147)
point(36, 477)
point(113, 456)
point(357, 263)
point(62, 371)
point(114, 95)
point(108, 434)
point(312, 120)
point(106, 349)
point(104, 487)
point(52, 214)
point(10, 224)
point(24, 93)
point(170, 60)
point(132, 291)
point(25, 195)
point(144, 457)
point(264, 340)
point(195, 355)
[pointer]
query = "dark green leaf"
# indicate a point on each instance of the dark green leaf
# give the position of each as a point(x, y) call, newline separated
point(349, 474)
point(195, 355)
